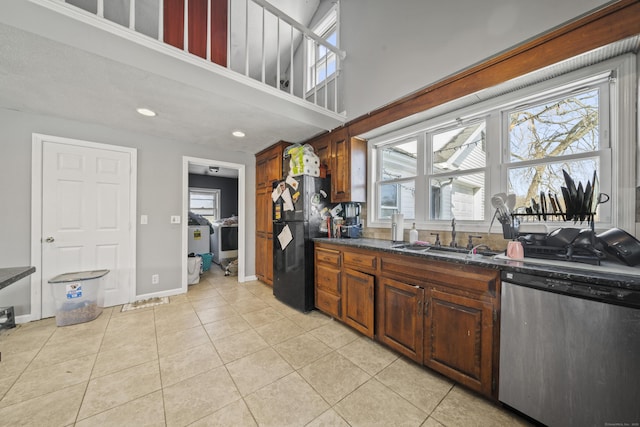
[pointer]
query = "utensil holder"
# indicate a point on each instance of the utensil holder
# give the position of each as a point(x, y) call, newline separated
point(508, 231)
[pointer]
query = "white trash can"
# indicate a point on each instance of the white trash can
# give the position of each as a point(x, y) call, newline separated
point(194, 269)
point(76, 296)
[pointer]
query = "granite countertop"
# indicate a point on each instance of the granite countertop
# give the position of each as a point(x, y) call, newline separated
point(609, 273)
point(13, 274)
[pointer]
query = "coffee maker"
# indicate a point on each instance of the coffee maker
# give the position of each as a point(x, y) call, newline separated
point(352, 226)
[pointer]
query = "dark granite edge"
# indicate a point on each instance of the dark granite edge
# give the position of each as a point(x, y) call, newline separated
point(570, 272)
point(11, 275)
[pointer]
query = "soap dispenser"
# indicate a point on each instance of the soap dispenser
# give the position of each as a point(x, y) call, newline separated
point(413, 234)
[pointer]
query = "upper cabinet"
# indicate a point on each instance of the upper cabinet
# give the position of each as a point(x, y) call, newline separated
point(346, 161)
point(268, 170)
point(269, 165)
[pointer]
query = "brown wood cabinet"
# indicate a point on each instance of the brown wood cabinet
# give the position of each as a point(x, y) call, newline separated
point(459, 317)
point(357, 301)
point(269, 165)
point(328, 282)
point(400, 324)
point(459, 338)
point(346, 161)
point(345, 286)
point(264, 236)
point(322, 147)
point(440, 314)
point(268, 170)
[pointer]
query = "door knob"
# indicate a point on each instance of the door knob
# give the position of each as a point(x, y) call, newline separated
point(49, 240)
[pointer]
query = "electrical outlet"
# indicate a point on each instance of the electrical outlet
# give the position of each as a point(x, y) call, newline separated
point(155, 279)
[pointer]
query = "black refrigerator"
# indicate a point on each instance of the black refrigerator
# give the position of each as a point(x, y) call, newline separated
point(293, 253)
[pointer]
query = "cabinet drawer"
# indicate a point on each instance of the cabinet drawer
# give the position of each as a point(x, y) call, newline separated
point(354, 259)
point(460, 276)
point(328, 256)
point(329, 303)
point(328, 279)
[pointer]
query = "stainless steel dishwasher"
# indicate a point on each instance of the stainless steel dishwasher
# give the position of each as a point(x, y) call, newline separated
point(570, 351)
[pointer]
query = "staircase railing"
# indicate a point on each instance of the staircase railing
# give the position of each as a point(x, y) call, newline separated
point(255, 39)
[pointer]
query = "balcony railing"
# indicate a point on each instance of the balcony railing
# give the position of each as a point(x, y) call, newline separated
point(250, 37)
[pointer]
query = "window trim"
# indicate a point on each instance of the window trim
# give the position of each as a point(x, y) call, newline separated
point(602, 83)
point(216, 191)
point(324, 26)
point(622, 141)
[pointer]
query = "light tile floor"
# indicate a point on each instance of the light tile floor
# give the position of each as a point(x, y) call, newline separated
point(224, 354)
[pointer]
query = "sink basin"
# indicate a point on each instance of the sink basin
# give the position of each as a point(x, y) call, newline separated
point(412, 247)
point(424, 248)
point(479, 251)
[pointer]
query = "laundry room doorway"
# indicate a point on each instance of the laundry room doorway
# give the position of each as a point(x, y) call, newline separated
point(214, 190)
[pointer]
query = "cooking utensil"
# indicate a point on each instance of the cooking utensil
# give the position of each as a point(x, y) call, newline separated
point(536, 207)
point(622, 245)
point(543, 205)
point(493, 219)
point(586, 204)
point(571, 185)
point(568, 204)
point(497, 201)
point(555, 197)
point(554, 207)
point(511, 201)
point(503, 196)
point(562, 237)
point(595, 191)
point(579, 203)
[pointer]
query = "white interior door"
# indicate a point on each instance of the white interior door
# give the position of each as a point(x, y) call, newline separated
point(86, 218)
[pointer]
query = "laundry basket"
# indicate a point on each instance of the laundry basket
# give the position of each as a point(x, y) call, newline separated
point(206, 261)
point(76, 296)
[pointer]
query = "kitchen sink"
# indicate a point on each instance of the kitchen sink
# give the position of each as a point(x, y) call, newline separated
point(423, 248)
point(412, 247)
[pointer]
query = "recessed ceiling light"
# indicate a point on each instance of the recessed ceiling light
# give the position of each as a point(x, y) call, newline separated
point(238, 133)
point(146, 112)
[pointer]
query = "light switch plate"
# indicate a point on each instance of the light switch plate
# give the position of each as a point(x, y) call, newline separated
point(144, 219)
point(175, 219)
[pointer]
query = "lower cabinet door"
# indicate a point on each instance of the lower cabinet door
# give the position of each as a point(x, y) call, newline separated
point(400, 325)
point(459, 339)
point(357, 300)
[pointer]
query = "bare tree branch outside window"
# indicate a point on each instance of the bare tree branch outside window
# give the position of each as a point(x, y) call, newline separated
point(556, 129)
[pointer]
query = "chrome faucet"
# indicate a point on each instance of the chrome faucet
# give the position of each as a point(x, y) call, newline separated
point(453, 243)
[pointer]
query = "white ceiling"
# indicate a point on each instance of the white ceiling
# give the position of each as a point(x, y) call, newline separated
point(48, 67)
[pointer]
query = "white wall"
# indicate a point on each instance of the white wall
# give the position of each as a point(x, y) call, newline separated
point(397, 47)
point(159, 197)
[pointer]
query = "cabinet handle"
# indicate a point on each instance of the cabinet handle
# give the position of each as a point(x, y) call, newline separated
point(426, 308)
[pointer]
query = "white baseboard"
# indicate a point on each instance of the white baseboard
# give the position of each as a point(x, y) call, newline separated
point(169, 293)
point(24, 318)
